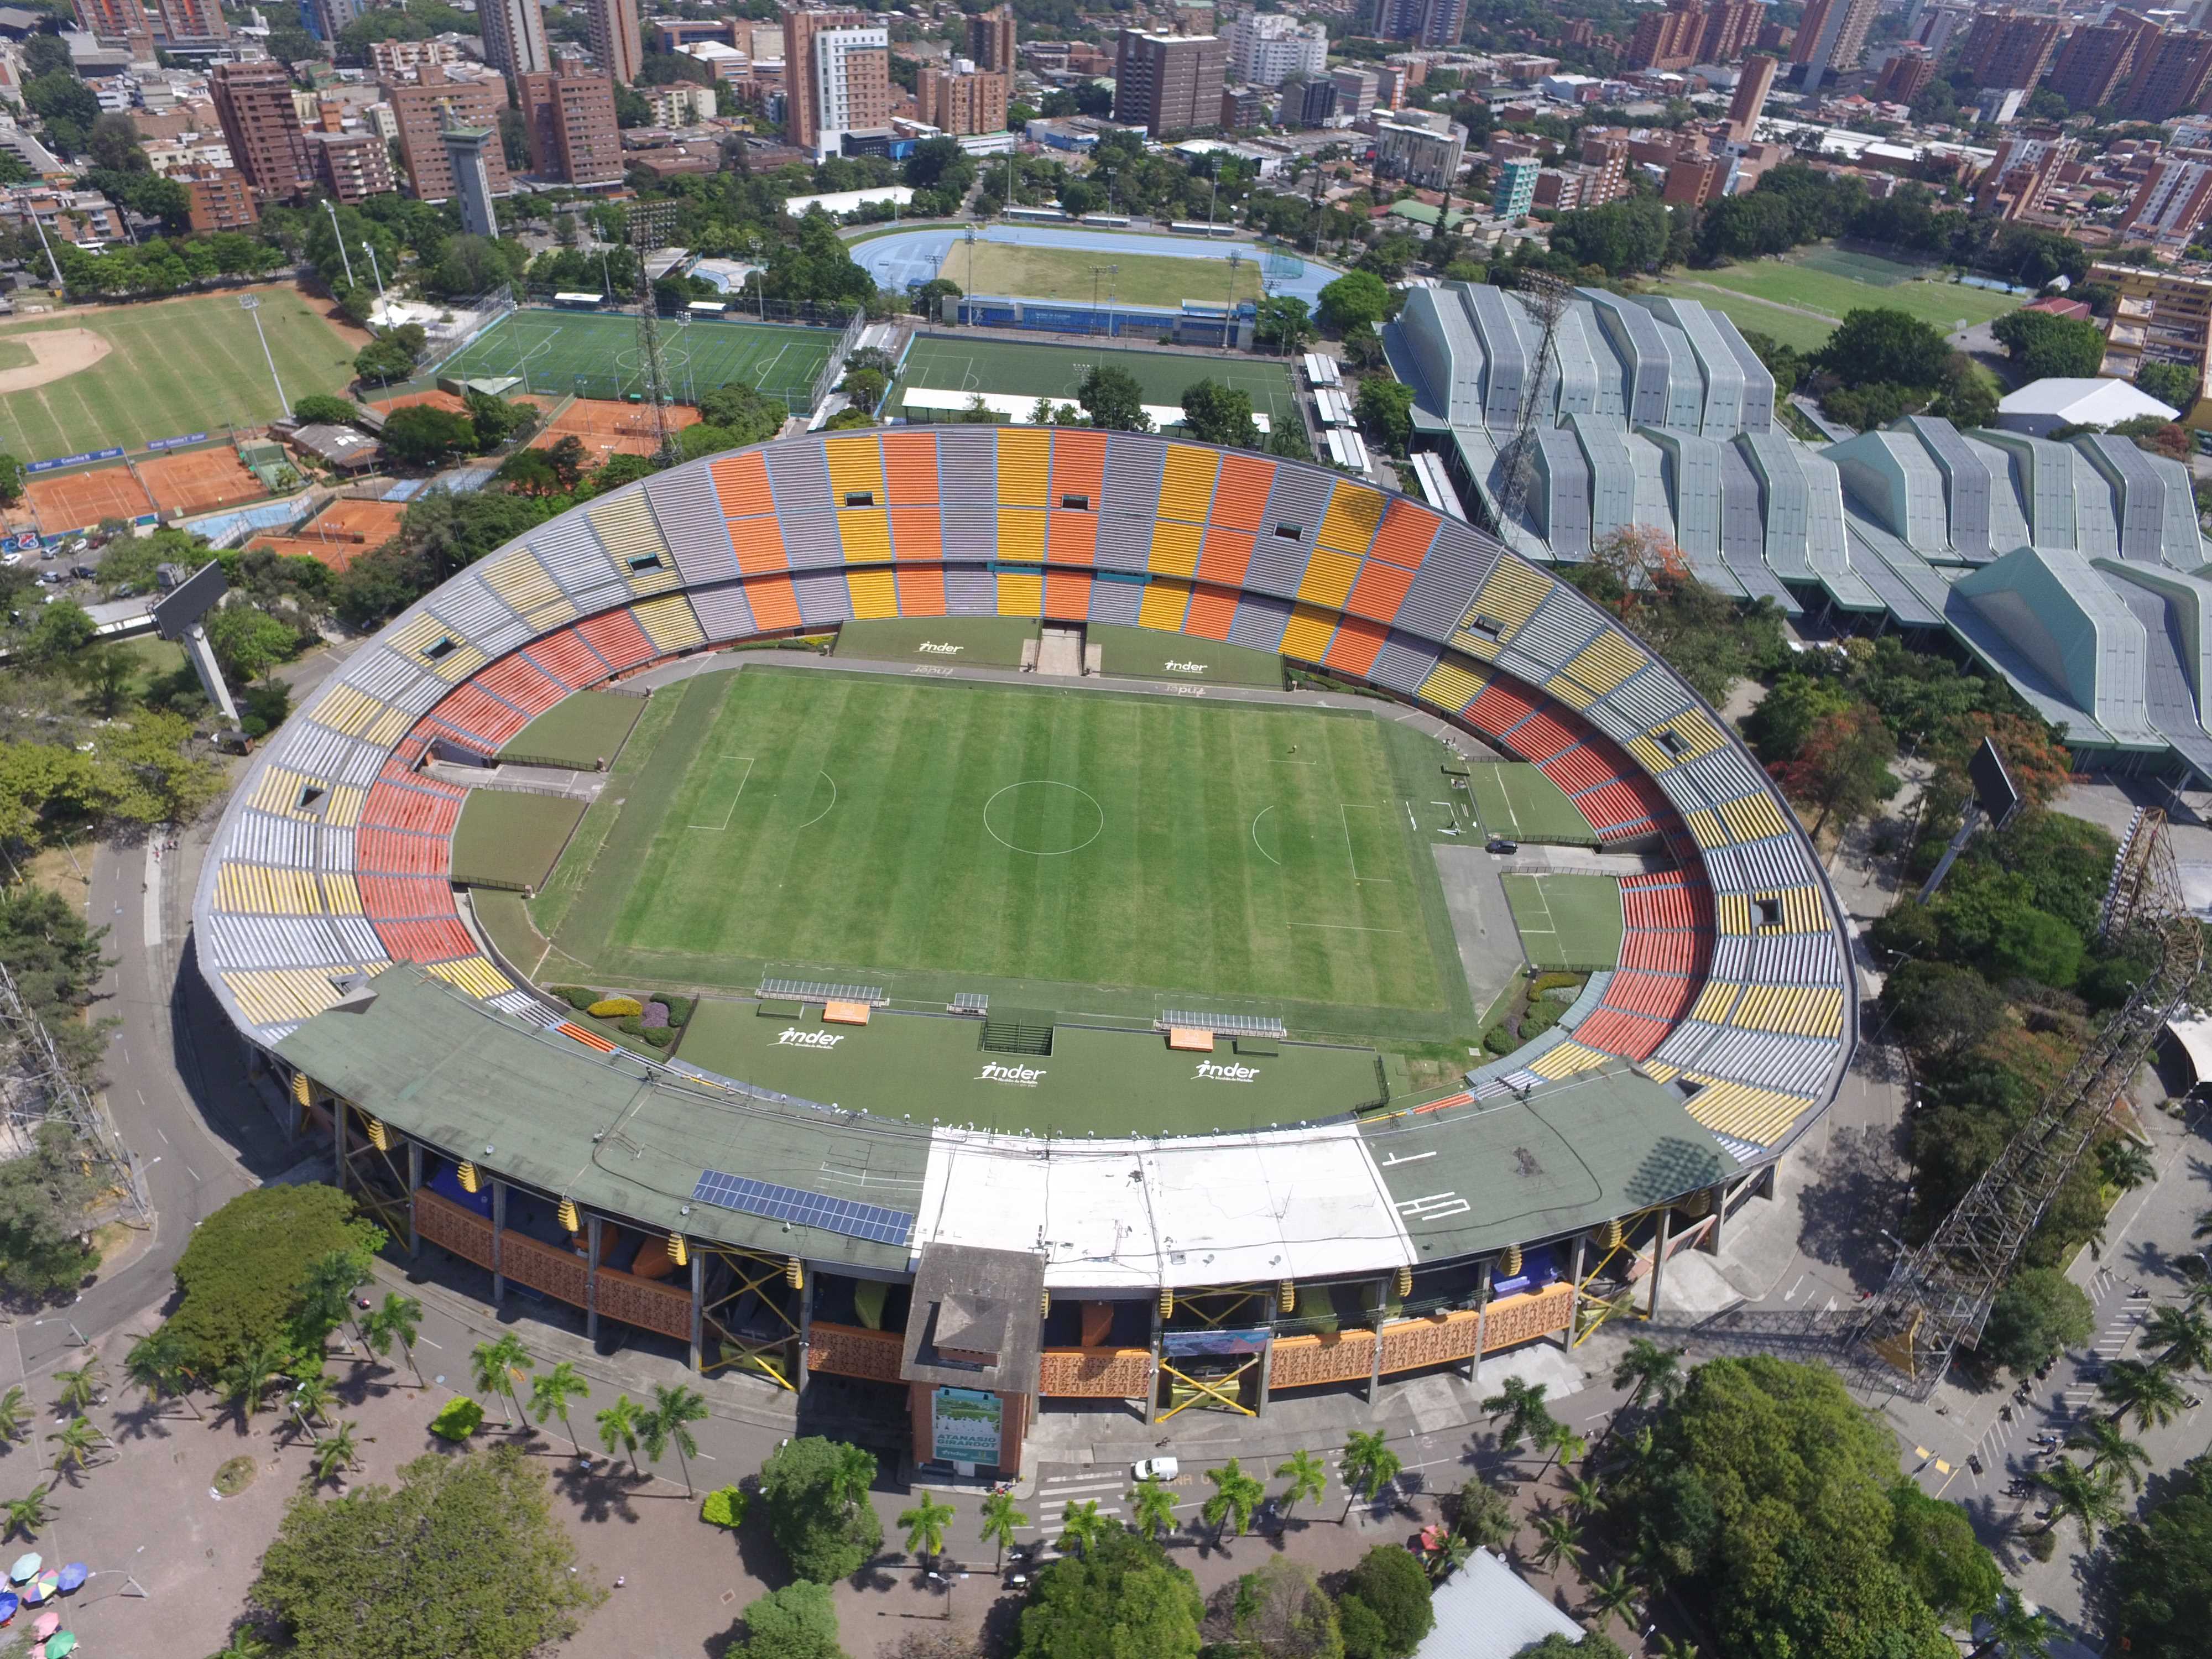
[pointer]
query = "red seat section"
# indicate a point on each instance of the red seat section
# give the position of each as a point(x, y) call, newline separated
point(1613, 809)
point(1539, 736)
point(401, 898)
point(1578, 768)
point(479, 719)
point(427, 811)
point(522, 684)
point(425, 941)
point(397, 853)
point(1501, 706)
point(567, 658)
point(1630, 1035)
point(616, 637)
point(1662, 996)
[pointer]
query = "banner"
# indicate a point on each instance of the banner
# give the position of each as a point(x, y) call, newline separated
point(964, 1425)
point(173, 443)
point(74, 460)
point(1184, 1345)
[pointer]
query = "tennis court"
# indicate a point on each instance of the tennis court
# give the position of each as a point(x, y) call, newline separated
point(1515, 800)
point(1567, 922)
point(509, 839)
point(595, 354)
point(943, 362)
point(579, 733)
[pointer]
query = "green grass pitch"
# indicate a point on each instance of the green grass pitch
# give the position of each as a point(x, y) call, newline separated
point(594, 355)
point(174, 367)
point(1567, 921)
point(577, 732)
point(963, 363)
point(510, 839)
point(1082, 851)
point(1773, 295)
point(1161, 280)
point(1515, 799)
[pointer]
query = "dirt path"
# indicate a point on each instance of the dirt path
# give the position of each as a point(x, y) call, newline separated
point(57, 352)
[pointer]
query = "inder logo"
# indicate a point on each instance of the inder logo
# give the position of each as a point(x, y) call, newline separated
point(1209, 1071)
point(792, 1037)
point(1186, 667)
point(932, 648)
point(1023, 1077)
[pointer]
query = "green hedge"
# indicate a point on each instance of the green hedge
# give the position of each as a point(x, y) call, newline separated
point(458, 1419)
point(723, 1507)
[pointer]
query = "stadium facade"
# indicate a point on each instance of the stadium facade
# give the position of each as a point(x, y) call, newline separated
point(952, 1282)
point(2075, 569)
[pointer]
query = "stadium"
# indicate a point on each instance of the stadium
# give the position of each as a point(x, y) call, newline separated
point(1073, 845)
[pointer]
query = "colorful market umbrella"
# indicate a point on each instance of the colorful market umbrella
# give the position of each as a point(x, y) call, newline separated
point(8, 1602)
point(61, 1645)
point(49, 1622)
point(46, 1586)
point(73, 1576)
point(25, 1564)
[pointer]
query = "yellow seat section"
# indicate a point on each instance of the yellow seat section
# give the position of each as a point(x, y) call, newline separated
point(1731, 914)
point(1745, 1112)
point(1796, 1009)
point(1475, 645)
point(274, 996)
point(1648, 755)
point(347, 710)
point(340, 895)
point(386, 731)
point(280, 791)
point(1687, 736)
point(1802, 911)
point(262, 890)
point(474, 975)
point(1570, 692)
point(345, 805)
point(1021, 534)
point(865, 533)
point(1754, 817)
point(1714, 1001)
point(1175, 548)
point(1566, 1060)
point(518, 578)
point(875, 594)
point(1354, 511)
point(1187, 482)
point(626, 527)
point(1308, 635)
point(1605, 662)
point(1449, 686)
point(1509, 597)
point(1163, 607)
point(1021, 594)
point(552, 614)
point(1659, 1071)
point(1024, 464)
point(462, 661)
point(856, 463)
point(670, 623)
point(1328, 578)
point(1706, 829)
point(411, 638)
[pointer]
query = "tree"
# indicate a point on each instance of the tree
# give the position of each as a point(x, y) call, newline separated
point(2172, 384)
point(335, 1453)
point(1878, 346)
point(2157, 1589)
point(11, 480)
point(1843, 768)
point(1385, 1605)
point(1562, 1542)
point(1484, 1516)
point(392, 355)
point(2090, 1501)
point(1236, 1495)
point(1649, 1372)
point(1151, 1505)
point(75, 1442)
point(1212, 414)
point(1307, 1477)
point(1934, 1544)
point(551, 1392)
point(621, 1424)
point(1121, 1597)
point(319, 408)
point(1939, 1010)
point(157, 1367)
point(2109, 1448)
point(1612, 1595)
point(816, 1490)
point(1385, 408)
point(243, 1272)
point(78, 1388)
point(2182, 1335)
point(799, 1621)
point(396, 1321)
point(311, 1399)
point(2146, 1390)
point(1369, 1465)
point(28, 1513)
point(468, 1545)
point(1112, 398)
point(1279, 1612)
point(1521, 1405)
point(1354, 299)
point(669, 1421)
point(422, 434)
point(1282, 325)
point(1001, 1520)
point(2046, 347)
point(496, 1367)
point(925, 1525)
point(44, 1196)
point(14, 1418)
point(1081, 1527)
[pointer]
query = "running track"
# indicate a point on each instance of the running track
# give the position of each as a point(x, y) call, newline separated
point(914, 256)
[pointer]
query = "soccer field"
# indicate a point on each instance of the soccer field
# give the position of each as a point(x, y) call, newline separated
point(594, 354)
point(1026, 272)
point(1567, 921)
point(172, 367)
point(945, 362)
point(1078, 850)
point(1773, 296)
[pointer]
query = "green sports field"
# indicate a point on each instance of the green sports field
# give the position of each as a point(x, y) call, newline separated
point(1515, 799)
point(1569, 922)
point(1023, 271)
point(1147, 653)
point(964, 641)
point(1078, 851)
point(510, 839)
point(174, 367)
point(594, 355)
point(1774, 294)
point(947, 363)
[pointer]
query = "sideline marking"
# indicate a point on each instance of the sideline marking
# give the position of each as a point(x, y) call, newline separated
point(1343, 816)
point(742, 781)
point(1346, 928)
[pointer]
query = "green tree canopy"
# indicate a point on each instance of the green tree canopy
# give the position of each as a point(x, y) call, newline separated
point(816, 1492)
point(44, 1196)
point(1112, 398)
point(2038, 1315)
point(422, 434)
point(799, 1621)
point(1121, 1599)
point(1279, 1612)
point(1934, 1544)
point(1385, 1609)
point(1879, 346)
point(2159, 1594)
point(1358, 297)
point(2044, 346)
point(2172, 384)
point(244, 1272)
point(1385, 408)
point(1214, 414)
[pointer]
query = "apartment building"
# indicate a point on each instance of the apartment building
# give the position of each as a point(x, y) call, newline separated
point(118, 23)
point(1420, 155)
point(423, 107)
point(2006, 50)
point(963, 100)
point(1358, 91)
point(837, 76)
point(514, 37)
point(2161, 317)
point(1171, 84)
point(2170, 74)
point(574, 137)
point(1904, 76)
point(1424, 23)
point(616, 43)
point(1515, 190)
point(221, 199)
point(1750, 100)
point(1267, 48)
point(991, 40)
point(1831, 37)
point(352, 166)
point(393, 59)
point(1308, 100)
point(187, 24)
point(261, 124)
point(2096, 60)
point(2173, 201)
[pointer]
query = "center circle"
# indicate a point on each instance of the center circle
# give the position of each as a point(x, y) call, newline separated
point(1026, 813)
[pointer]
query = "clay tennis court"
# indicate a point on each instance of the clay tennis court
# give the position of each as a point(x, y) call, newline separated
point(339, 535)
point(607, 427)
point(200, 482)
point(78, 500)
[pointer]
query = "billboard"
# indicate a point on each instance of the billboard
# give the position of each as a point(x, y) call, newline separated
point(1995, 792)
point(176, 611)
point(1186, 1345)
point(964, 1425)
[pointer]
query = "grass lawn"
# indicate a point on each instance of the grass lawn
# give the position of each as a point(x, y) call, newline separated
point(1077, 851)
point(178, 366)
point(1147, 653)
point(594, 354)
point(965, 363)
point(13, 353)
point(1789, 328)
point(1515, 800)
point(1567, 921)
point(510, 839)
point(1033, 272)
point(577, 732)
point(993, 642)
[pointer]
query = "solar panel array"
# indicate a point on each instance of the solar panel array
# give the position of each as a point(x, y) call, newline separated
point(803, 1209)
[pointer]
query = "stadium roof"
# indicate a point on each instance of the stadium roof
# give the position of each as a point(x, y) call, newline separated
point(2083, 402)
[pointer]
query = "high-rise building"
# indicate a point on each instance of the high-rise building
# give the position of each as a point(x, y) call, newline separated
point(514, 37)
point(1731, 26)
point(1242, 108)
point(1694, 180)
point(351, 166)
point(1356, 90)
point(190, 22)
point(1169, 83)
point(837, 76)
point(1266, 48)
point(1832, 37)
point(326, 19)
point(1424, 22)
point(2097, 59)
point(1516, 187)
point(2169, 76)
point(1750, 100)
point(2173, 201)
point(1937, 24)
point(1421, 155)
point(394, 58)
point(2004, 49)
point(118, 22)
point(261, 124)
point(961, 99)
point(1904, 76)
point(2025, 168)
point(423, 109)
point(1668, 40)
point(1308, 100)
point(570, 114)
point(466, 149)
point(991, 40)
point(616, 43)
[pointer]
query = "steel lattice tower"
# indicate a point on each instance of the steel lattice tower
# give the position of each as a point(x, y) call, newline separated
point(1546, 299)
point(65, 1097)
point(646, 229)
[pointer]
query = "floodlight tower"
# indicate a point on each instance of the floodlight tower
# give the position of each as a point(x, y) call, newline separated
point(644, 229)
point(177, 617)
point(1546, 299)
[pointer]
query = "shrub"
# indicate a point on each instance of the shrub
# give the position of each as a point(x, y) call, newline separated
point(1553, 981)
point(1499, 1041)
point(679, 1009)
point(457, 1419)
point(631, 1025)
point(655, 1016)
point(1543, 1014)
point(576, 996)
point(1390, 1588)
point(723, 1507)
point(659, 1035)
point(615, 1007)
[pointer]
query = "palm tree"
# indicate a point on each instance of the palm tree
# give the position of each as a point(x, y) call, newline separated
point(2109, 1448)
point(925, 1528)
point(311, 1398)
point(2090, 1501)
point(27, 1514)
point(674, 1410)
point(1562, 1542)
point(1648, 1371)
point(1081, 1527)
point(2183, 1337)
point(1585, 1496)
point(1309, 1478)
point(246, 1379)
point(620, 1426)
point(156, 1367)
point(1559, 1441)
point(334, 1454)
point(549, 1395)
point(1521, 1404)
point(2203, 1230)
point(498, 1364)
point(2014, 1630)
point(1368, 1466)
point(1612, 1597)
point(2135, 1385)
point(15, 1417)
point(1236, 1495)
point(1449, 1556)
point(2127, 1165)
point(1152, 1506)
point(80, 1388)
point(398, 1319)
point(1001, 1520)
point(75, 1442)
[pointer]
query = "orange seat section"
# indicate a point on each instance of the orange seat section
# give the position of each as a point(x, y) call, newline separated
point(917, 532)
point(1405, 534)
point(1240, 495)
point(775, 606)
point(910, 468)
point(1211, 610)
point(1356, 646)
point(1074, 537)
point(922, 592)
point(1078, 465)
point(1224, 556)
point(1068, 594)
point(1378, 590)
point(741, 481)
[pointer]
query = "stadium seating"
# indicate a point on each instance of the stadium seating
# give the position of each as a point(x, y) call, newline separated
point(334, 856)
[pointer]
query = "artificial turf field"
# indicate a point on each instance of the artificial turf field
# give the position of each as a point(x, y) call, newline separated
point(594, 354)
point(175, 366)
point(963, 363)
point(1026, 272)
point(1078, 850)
point(1569, 921)
point(1515, 799)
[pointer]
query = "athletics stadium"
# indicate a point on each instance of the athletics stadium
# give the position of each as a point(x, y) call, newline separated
point(1057, 848)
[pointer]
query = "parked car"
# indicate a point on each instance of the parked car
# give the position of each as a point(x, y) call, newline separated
point(83, 573)
point(1499, 844)
point(1155, 1469)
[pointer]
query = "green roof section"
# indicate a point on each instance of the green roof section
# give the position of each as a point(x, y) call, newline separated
point(533, 1106)
point(1513, 1168)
